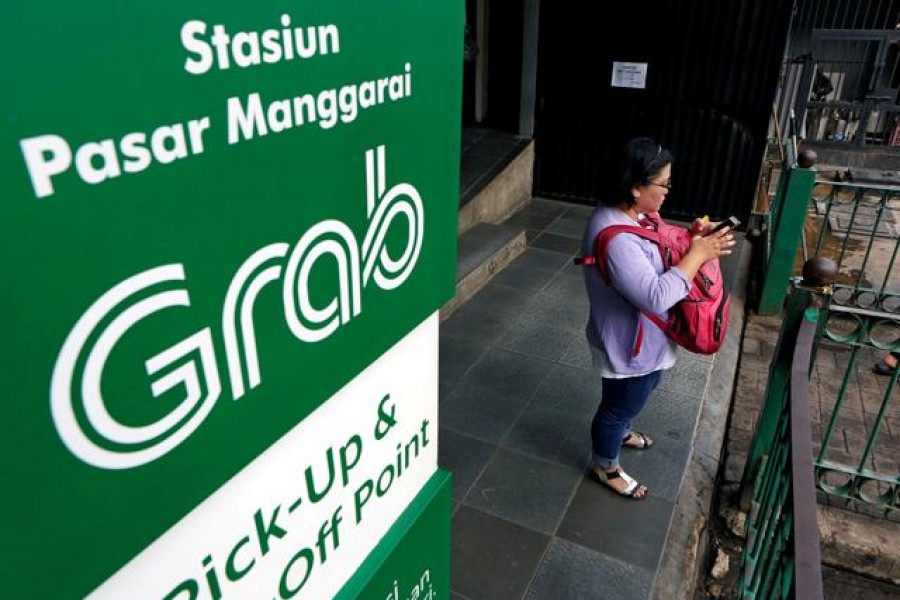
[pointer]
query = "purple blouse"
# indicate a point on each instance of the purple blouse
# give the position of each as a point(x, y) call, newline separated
point(638, 283)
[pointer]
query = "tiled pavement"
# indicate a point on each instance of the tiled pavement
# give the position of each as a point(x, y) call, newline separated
point(516, 400)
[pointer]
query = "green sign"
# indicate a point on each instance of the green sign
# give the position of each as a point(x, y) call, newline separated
point(216, 218)
point(412, 561)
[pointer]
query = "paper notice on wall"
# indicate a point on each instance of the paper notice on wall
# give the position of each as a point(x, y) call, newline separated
point(629, 75)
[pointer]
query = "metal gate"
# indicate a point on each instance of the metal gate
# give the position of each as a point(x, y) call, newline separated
point(848, 92)
point(854, 412)
point(712, 70)
point(857, 226)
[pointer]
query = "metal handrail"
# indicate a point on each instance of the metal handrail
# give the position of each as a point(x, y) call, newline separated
point(807, 558)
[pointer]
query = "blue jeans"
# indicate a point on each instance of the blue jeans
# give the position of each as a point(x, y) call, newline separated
point(622, 401)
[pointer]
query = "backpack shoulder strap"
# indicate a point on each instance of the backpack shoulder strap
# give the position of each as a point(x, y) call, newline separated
point(607, 234)
point(599, 246)
point(603, 239)
point(598, 258)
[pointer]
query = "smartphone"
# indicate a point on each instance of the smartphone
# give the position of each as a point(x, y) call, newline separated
point(731, 222)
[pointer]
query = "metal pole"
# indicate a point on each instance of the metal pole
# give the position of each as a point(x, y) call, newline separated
point(786, 236)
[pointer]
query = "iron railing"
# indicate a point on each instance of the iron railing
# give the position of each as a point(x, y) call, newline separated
point(847, 89)
point(853, 464)
point(781, 556)
point(858, 227)
point(855, 225)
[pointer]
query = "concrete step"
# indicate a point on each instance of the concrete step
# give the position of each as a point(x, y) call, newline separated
point(484, 251)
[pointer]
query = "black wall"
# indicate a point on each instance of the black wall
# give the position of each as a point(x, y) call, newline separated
point(713, 70)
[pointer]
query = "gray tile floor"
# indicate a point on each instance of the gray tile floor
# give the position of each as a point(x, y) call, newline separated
point(517, 397)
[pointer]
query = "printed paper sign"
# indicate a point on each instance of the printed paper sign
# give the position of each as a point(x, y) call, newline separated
point(629, 75)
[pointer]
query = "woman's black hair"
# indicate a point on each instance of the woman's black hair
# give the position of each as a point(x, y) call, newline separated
point(640, 161)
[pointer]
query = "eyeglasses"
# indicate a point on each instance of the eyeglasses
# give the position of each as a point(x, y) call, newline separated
point(667, 185)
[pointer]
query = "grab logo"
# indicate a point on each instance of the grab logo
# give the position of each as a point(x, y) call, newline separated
point(79, 410)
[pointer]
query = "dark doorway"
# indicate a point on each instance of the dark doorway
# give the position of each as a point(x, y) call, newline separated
point(492, 92)
point(492, 71)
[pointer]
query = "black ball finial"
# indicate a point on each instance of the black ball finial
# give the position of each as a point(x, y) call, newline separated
point(819, 272)
point(807, 158)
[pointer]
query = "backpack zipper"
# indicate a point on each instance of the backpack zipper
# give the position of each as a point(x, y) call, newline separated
point(717, 330)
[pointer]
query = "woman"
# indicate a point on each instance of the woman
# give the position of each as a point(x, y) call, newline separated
point(630, 370)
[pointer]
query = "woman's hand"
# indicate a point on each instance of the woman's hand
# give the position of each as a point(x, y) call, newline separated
point(704, 248)
point(714, 245)
point(702, 226)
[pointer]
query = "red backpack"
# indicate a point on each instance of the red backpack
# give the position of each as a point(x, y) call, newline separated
point(699, 321)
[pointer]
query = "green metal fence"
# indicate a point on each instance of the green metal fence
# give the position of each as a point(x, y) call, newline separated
point(856, 225)
point(856, 459)
point(781, 555)
point(855, 417)
point(829, 425)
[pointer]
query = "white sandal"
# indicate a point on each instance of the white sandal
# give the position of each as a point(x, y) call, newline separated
point(631, 488)
point(644, 440)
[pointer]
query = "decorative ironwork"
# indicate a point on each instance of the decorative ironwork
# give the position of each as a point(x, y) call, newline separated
point(857, 226)
point(856, 328)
